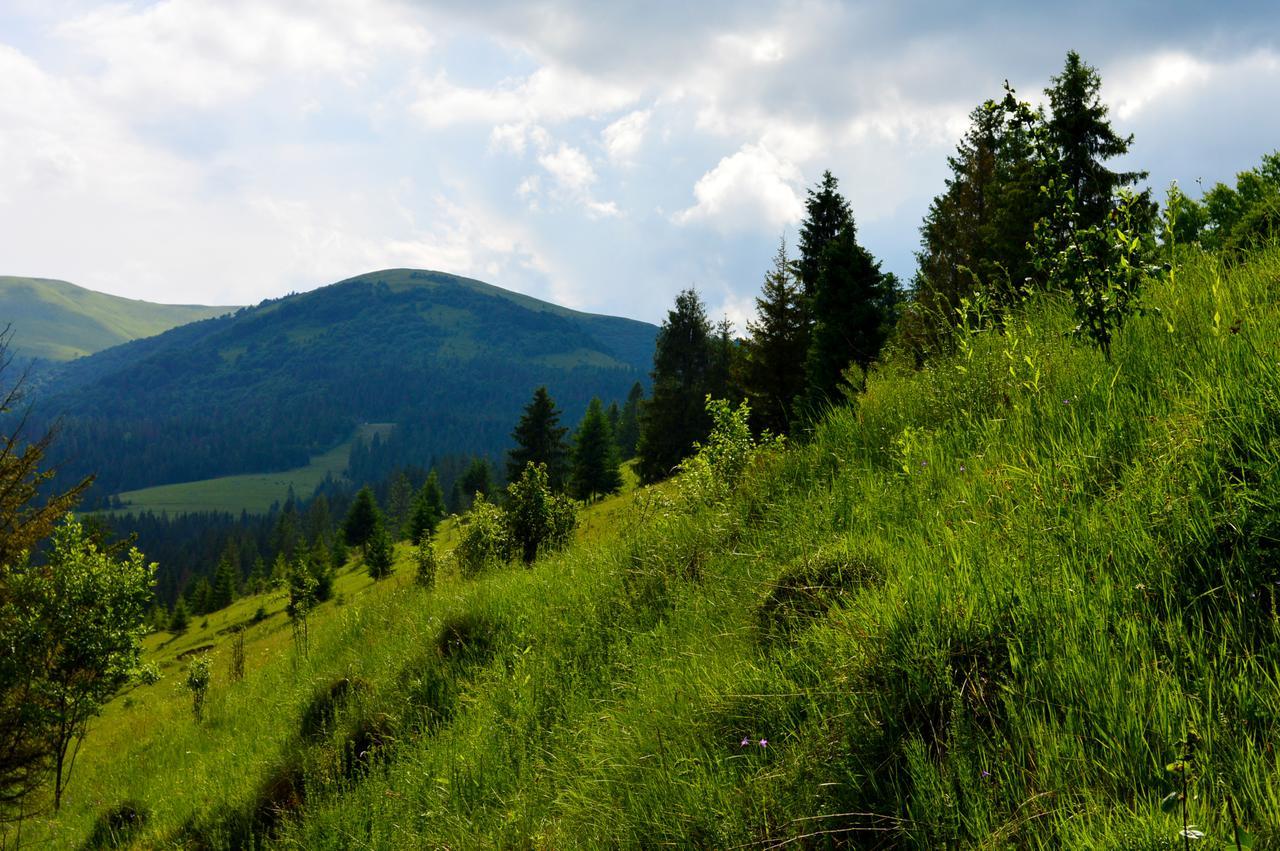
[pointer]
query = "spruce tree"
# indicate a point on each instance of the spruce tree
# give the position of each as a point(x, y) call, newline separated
point(428, 509)
point(775, 349)
point(827, 216)
point(399, 504)
point(1084, 139)
point(540, 439)
point(595, 456)
point(478, 479)
point(854, 305)
point(223, 591)
point(180, 619)
point(627, 434)
point(379, 554)
point(675, 417)
point(361, 519)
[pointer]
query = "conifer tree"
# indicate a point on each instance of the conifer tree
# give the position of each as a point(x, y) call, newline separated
point(361, 519)
point(478, 479)
point(827, 216)
point(1080, 131)
point(399, 503)
point(428, 509)
point(223, 591)
point(775, 349)
point(180, 619)
point(628, 432)
point(540, 439)
point(595, 456)
point(676, 417)
point(378, 554)
point(854, 305)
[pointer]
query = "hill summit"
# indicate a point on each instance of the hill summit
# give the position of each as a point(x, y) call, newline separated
point(450, 360)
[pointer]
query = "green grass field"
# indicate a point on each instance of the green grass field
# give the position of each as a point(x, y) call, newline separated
point(1023, 598)
point(252, 492)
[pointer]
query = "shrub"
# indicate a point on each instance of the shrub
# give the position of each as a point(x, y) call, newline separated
point(148, 674)
point(486, 541)
point(427, 564)
point(717, 466)
point(537, 518)
point(198, 683)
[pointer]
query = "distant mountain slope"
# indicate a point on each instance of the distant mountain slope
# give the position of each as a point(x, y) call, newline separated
point(450, 360)
point(58, 321)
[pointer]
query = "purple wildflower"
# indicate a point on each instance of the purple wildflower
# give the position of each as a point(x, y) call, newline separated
point(764, 743)
point(745, 741)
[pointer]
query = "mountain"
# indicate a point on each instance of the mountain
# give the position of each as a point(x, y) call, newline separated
point(58, 321)
point(451, 361)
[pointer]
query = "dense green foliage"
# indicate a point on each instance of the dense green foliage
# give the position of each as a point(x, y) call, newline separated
point(271, 386)
point(986, 607)
point(539, 520)
point(775, 351)
point(58, 321)
point(362, 520)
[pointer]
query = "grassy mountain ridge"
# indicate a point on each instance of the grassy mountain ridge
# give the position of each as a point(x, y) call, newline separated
point(268, 387)
point(59, 321)
point(1025, 597)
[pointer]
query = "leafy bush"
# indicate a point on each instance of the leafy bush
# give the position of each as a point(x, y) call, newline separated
point(486, 540)
point(537, 518)
point(198, 683)
point(148, 674)
point(716, 467)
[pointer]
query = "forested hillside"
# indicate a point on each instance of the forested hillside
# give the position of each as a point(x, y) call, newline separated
point(447, 359)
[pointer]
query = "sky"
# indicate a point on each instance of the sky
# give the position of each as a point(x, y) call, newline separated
point(603, 156)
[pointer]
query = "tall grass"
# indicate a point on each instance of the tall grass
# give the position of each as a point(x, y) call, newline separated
point(1017, 599)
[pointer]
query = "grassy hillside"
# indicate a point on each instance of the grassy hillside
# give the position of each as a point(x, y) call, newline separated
point(59, 321)
point(449, 360)
point(251, 492)
point(991, 606)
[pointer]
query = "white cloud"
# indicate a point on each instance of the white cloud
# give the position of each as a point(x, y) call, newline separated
point(549, 95)
point(191, 52)
point(573, 178)
point(623, 138)
point(752, 188)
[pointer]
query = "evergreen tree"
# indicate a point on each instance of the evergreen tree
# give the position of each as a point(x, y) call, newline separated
point(321, 571)
point(428, 510)
point(399, 502)
point(180, 619)
point(378, 555)
point(595, 455)
point(361, 519)
point(223, 591)
point(540, 439)
point(258, 576)
point(478, 479)
point(976, 233)
point(827, 216)
point(676, 417)
point(628, 432)
point(338, 553)
point(775, 349)
point(202, 596)
point(1084, 139)
point(854, 305)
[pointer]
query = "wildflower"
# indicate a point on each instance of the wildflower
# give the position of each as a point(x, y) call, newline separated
point(962, 468)
point(745, 741)
point(764, 743)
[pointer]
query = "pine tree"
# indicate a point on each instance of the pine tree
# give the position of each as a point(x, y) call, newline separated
point(854, 305)
point(321, 571)
point(595, 456)
point(478, 479)
point(628, 432)
point(180, 619)
point(775, 349)
point(378, 555)
point(399, 502)
point(540, 439)
point(676, 417)
point(338, 554)
point(428, 509)
point(1084, 139)
point(223, 591)
point(361, 519)
point(827, 216)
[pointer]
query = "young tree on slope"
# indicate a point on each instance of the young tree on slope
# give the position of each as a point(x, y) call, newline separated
point(540, 439)
point(675, 417)
point(361, 519)
point(595, 456)
point(775, 349)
